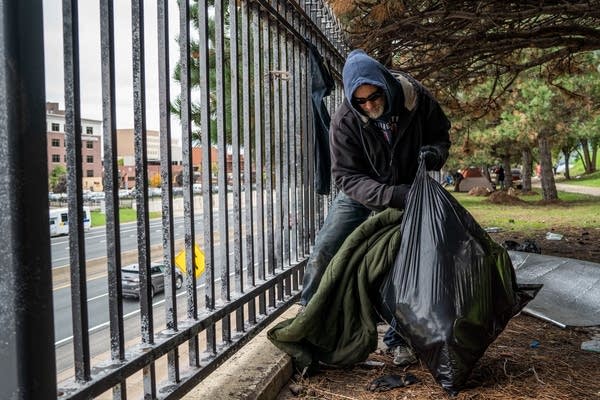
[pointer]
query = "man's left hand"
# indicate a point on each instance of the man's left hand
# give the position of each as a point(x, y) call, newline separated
point(432, 158)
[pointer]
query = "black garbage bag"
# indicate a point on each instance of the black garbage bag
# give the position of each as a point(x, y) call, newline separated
point(452, 289)
point(528, 246)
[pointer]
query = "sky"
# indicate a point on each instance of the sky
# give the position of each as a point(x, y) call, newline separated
point(89, 64)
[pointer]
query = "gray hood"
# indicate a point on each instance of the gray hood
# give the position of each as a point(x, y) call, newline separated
point(360, 69)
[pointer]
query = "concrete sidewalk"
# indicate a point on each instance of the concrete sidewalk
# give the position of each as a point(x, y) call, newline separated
point(567, 187)
point(257, 371)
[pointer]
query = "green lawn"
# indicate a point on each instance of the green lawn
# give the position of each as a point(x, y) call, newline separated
point(592, 179)
point(125, 215)
point(573, 210)
point(578, 176)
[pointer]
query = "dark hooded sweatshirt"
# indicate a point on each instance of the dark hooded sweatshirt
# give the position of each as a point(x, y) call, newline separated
point(367, 167)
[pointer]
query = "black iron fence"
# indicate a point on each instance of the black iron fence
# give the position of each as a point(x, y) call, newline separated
point(244, 78)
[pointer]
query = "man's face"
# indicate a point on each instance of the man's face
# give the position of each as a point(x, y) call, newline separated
point(371, 99)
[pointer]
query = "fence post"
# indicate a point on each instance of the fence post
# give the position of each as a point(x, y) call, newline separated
point(26, 324)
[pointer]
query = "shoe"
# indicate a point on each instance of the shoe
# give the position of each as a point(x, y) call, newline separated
point(403, 356)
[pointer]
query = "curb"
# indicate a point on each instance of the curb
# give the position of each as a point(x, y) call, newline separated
point(259, 370)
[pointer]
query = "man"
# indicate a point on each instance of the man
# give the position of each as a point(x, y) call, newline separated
point(384, 123)
point(500, 174)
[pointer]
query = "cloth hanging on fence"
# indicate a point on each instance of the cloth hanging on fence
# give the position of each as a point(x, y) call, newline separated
point(321, 86)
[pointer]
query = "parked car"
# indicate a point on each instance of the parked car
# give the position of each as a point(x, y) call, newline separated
point(516, 174)
point(130, 279)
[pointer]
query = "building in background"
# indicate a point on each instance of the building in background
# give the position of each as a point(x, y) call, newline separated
point(91, 146)
point(126, 155)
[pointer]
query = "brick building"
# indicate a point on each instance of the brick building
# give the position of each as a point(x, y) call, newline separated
point(91, 145)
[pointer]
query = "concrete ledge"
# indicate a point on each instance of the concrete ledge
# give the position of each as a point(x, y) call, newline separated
point(257, 371)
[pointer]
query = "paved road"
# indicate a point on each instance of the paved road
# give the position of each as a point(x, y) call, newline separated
point(565, 187)
point(95, 239)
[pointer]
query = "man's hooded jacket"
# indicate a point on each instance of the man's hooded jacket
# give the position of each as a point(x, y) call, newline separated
point(365, 165)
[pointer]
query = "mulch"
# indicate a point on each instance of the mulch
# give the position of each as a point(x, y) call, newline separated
point(511, 368)
point(531, 359)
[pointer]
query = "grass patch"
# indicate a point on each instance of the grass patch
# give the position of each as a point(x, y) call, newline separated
point(591, 180)
point(125, 215)
point(573, 210)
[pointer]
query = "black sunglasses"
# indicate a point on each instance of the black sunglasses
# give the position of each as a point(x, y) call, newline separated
point(372, 97)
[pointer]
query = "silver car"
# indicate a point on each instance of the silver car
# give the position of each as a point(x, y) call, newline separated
point(130, 279)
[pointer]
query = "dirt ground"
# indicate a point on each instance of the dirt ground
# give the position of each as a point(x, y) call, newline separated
point(513, 367)
point(578, 243)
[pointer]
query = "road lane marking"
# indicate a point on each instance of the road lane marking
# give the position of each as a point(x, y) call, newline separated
point(135, 312)
point(97, 297)
point(107, 323)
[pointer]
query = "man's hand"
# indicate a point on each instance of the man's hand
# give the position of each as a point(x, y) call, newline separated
point(431, 156)
point(400, 196)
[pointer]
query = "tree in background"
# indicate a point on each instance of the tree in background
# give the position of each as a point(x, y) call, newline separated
point(540, 115)
point(580, 93)
point(58, 179)
point(195, 77)
point(155, 181)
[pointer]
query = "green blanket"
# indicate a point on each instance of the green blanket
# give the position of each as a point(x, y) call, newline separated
point(339, 324)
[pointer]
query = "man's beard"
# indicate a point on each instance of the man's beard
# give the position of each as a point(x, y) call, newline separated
point(375, 113)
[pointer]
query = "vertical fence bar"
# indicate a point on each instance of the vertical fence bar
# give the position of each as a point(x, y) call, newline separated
point(258, 137)
point(285, 120)
point(141, 185)
point(285, 167)
point(248, 157)
point(166, 181)
point(236, 163)
point(306, 167)
point(308, 132)
point(207, 201)
point(268, 148)
point(75, 198)
point(111, 190)
point(222, 162)
point(27, 329)
point(277, 79)
point(319, 200)
point(298, 154)
point(187, 174)
point(293, 211)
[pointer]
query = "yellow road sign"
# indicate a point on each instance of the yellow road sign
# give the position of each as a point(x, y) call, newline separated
point(199, 263)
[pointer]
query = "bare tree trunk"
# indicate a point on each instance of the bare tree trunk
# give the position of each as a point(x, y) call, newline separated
point(567, 156)
point(486, 172)
point(507, 172)
point(587, 161)
point(548, 184)
point(527, 161)
point(594, 143)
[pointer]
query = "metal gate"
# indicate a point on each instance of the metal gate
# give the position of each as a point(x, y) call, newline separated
point(244, 78)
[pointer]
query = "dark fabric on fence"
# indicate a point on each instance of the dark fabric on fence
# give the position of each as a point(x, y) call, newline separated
point(321, 86)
